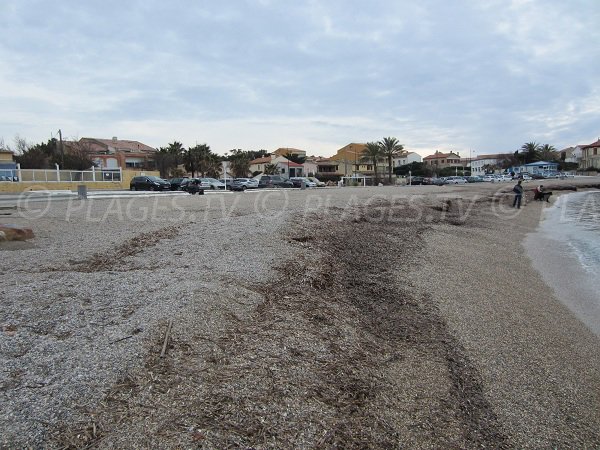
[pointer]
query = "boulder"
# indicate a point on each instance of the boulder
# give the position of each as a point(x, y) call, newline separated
point(15, 232)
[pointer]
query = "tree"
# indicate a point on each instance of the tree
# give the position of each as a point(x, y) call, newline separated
point(489, 168)
point(531, 151)
point(416, 169)
point(548, 153)
point(390, 147)
point(31, 156)
point(76, 156)
point(372, 153)
point(270, 169)
point(295, 158)
point(166, 159)
point(239, 163)
point(509, 161)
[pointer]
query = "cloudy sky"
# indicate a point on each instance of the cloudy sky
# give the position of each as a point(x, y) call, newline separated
point(480, 76)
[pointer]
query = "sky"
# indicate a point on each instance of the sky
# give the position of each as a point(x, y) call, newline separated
point(471, 76)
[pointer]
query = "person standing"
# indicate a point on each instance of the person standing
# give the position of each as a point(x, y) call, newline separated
point(518, 190)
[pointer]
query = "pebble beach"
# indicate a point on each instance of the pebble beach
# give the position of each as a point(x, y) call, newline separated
point(352, 318)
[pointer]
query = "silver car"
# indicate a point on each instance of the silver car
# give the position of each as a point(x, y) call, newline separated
point(250, 183)
point(213, 183)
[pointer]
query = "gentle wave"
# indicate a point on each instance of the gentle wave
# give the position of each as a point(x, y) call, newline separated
point(575, 221)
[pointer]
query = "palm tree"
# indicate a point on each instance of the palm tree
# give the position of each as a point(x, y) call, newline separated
point(531, 151)
point(239, 163)
point(372, 153)
point(390, 147)
point(270, 169)
point(548, 153)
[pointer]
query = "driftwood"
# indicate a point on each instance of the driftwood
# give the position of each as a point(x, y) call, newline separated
point(164, 347)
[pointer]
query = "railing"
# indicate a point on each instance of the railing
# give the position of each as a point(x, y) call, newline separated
point(56, 175)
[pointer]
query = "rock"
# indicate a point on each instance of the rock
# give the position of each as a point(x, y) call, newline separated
point(15, 233)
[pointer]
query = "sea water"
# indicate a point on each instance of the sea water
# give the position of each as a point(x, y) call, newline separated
point(575, 220)
point(566, 251)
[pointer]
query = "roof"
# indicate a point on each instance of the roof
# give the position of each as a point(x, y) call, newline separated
point(491, 156)
point(542, 163)
point(595, 144)
point(263, 160)
point(5, 150)
point(438, 155)
point(121, 144)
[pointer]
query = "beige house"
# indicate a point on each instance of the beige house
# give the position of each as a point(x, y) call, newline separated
point(590, 156)
point(285, 151)
point(441, 160)
point(6, 156)
point(116, 153)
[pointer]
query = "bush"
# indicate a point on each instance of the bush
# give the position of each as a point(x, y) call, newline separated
point(327, 177)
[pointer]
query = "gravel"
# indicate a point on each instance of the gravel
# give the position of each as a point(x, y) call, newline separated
point(339, 317)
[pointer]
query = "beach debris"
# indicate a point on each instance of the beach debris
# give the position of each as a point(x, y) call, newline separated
point(15, 233)
point(167, 334)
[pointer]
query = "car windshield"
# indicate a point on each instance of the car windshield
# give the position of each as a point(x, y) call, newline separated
point(153, 178)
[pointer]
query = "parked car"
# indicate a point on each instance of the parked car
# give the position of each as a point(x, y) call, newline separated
point(317, 182)
point(149, 183)
point(213, 183)
point(297, 181)
point(250, 183)
point(474, 179)
point(414, 180)
point(537, 176)
point(455, 180)
point(176, 183)
point(490, 178)
point(236, 185)
point(194, 186)
point(273, 181)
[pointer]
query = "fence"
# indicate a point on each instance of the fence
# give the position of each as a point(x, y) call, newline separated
point(57, 176)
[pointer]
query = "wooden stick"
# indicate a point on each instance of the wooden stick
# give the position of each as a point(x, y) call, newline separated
point(164, 348)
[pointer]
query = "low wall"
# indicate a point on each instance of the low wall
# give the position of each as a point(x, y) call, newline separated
point(22, 186)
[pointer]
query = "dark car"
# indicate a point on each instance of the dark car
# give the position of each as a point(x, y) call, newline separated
point(176, 183)
point(274, 181)
point(194, 186)
point(414, 180)
point(149, 183)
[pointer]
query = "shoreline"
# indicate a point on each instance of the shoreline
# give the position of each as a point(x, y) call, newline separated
point(539, 363)
point(370, 320)
point(562, 270)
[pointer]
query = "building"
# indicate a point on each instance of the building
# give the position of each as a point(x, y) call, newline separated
point(116, 153)
point(590, 156)
point(406, 158)
point(441, 160)
point(285, 151)
point(571, 154)
point(311, 166)
point(483, 164)
point(8, 165)
point(284, 166)
point(349, 161)
point(539, 167)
